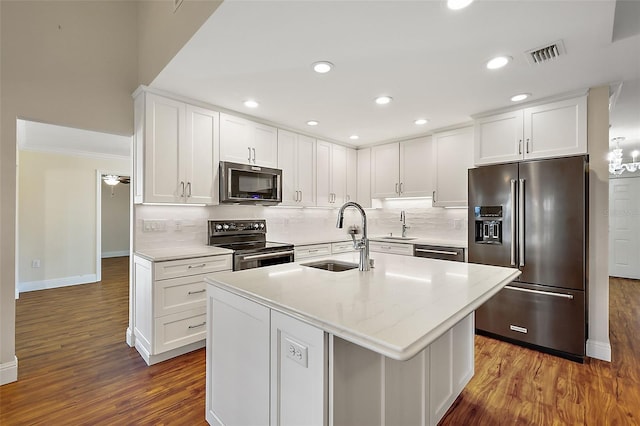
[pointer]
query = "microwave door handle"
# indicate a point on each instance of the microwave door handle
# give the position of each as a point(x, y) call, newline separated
point(521, 221)
point(513, 222)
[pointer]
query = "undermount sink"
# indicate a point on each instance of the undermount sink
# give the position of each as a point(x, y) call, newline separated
point(389, 237)
point(331, 265)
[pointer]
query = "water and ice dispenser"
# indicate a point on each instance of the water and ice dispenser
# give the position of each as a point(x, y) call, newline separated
point(488, 224)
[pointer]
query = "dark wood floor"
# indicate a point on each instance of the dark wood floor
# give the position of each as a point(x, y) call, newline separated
point(76, 369)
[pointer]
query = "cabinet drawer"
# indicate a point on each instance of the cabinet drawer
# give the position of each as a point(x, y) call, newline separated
point(194, 266)
point(393, 248)
point(179, 294)
point(549, 317)
point(342, 247)
point(176, 330)
point(303, 252)
point(439, 252)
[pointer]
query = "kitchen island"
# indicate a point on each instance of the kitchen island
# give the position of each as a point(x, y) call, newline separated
point(292, 344)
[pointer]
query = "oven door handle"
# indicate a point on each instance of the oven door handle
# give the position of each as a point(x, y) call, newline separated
point(265, 255)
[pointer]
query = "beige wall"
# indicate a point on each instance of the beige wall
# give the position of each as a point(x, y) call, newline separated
point(115, 218)
point(75, 64)
point(57, 218)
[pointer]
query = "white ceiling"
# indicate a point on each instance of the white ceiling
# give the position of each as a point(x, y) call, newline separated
point(428, 58)
point(35, 136)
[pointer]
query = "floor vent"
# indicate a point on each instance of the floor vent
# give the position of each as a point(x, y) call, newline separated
point(546, 53)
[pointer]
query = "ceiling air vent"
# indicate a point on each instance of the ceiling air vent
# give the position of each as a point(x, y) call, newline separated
point(546, 53)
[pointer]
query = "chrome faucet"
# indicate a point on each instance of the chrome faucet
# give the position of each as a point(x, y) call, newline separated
point(403, 219)
point(363, 243)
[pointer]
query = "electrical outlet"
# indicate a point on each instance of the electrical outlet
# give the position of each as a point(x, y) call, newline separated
point(35, 263)
point(296, 351)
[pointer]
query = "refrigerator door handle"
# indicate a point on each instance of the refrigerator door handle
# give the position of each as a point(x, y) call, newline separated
point(513, 222)
point(521, 221)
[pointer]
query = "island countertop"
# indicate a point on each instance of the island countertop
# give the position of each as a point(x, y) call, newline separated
point(397, 309)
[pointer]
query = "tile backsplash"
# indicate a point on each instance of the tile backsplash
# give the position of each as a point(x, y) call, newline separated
point(175, 226)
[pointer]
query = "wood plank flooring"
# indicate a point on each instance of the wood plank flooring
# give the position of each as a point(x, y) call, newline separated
point(76, 369)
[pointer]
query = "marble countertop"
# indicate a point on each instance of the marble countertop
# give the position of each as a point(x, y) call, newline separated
point(175, 253)
point(396, 309)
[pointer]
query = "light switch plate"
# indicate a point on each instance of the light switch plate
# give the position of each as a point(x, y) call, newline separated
point(296, 351)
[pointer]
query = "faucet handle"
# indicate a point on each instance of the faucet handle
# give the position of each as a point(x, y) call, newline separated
point(353, 230)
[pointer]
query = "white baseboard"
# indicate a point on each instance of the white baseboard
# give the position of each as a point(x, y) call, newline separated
point(57, 282)
point(9, 371)
point(118, 253)
point(599, 350)
point(130, 338)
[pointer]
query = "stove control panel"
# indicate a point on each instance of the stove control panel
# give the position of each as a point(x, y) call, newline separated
point(258, 226)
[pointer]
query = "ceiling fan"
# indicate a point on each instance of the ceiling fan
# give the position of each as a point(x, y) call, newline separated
point(113, 180)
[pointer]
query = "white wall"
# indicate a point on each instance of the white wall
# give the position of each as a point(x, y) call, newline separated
point(115, 220)
point(57, 218)
point(598, 343)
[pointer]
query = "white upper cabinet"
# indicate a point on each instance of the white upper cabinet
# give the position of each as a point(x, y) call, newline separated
point(364, 177)
point(247, 142)
point(297, 159)
point(402, 169)
point(453, 151)
point(331, 174)
point(175, 152)
point(550, 130)
point(352, 175)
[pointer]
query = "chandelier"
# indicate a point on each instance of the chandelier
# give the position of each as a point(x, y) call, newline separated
point(616, 166)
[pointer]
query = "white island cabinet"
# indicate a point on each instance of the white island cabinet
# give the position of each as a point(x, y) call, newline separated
point(290, 344)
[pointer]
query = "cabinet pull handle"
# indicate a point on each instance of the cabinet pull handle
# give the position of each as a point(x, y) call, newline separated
point(544, 293)
point(521, 218)
point(189, 187)
point(182, 193)
point(198, 325)
point(513, 222)
point(249, 158)
point(254, 155)
point(202, 265)
point(449, 253)
point(197, 291)
point(520, 147)
point(527, 145)
point(300, 200)
point(401, 190)
point(396, 191)
point(433, 196)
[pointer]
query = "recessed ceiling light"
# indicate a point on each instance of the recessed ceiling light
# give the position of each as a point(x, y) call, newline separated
point(421, 121)
point(251, 103)
point(520, 97)
point(354, 137)
point(383, 100)
point(458, 4)
point(312, 123)
point(322, 67)
point(498, 62)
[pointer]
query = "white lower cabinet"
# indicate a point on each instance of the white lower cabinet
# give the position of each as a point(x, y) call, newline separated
point(342, 247)
point(268, 368)
point(391, 248)
point(309, 251)
point(170, 305)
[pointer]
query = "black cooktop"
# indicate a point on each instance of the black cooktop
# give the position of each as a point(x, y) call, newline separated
point(255, 246)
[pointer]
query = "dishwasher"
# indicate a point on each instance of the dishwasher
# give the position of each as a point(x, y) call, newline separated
point(439, 252)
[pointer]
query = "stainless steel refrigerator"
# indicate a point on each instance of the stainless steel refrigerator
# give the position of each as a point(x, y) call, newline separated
point(532, 215)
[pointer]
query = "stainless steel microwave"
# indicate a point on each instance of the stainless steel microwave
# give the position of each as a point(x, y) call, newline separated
point(247, 184)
